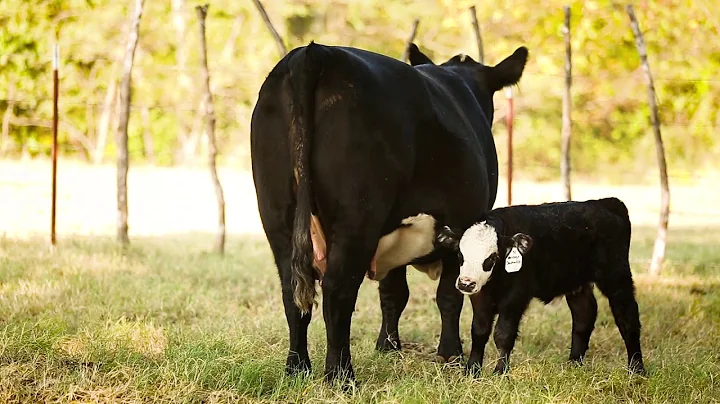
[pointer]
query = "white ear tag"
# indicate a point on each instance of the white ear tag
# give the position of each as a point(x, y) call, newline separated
point(513, 262)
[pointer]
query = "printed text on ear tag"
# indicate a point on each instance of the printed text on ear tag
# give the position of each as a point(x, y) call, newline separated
point(513, 262)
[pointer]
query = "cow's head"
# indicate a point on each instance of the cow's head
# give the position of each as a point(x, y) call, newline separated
point(484, 80)
point(480, 249)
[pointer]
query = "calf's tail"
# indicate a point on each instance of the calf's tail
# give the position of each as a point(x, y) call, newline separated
point(304, 75)
point(617, 207)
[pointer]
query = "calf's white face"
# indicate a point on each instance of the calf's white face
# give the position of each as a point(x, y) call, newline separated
point(478, 253)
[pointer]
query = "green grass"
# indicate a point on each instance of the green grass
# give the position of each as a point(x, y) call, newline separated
point(167, 322)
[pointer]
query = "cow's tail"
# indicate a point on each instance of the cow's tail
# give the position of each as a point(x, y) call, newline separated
point(304, 75)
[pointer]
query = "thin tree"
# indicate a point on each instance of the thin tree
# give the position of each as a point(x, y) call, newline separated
point(661, 239)
point(122, 132)
point(478, 37)
point(210, 122)
point(7, 117)
point(411, 38)
point(278, 41)
point(566, 111)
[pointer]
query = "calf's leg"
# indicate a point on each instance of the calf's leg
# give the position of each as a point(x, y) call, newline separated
point(394, 295)
point(483, 316)
point(449, 300)
point(506, 330)
point(620, 292)
point(583, 308)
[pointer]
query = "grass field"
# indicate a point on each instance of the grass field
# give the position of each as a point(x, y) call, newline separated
point(166, 321)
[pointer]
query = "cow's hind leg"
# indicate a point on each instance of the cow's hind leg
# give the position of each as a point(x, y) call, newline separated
point(583, 308)
point(394, 295)
point(620, 292)
point(298, 360)
point(348, 261)
point(449, 301)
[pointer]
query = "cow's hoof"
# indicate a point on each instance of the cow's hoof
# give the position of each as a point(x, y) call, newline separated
point(452, 360)
point(501, 368)
point(638, 368)
point(388, 344)
point(576, 360)
point(345, 378)
point(450, 351)
point(473, 369)
point(296, 366)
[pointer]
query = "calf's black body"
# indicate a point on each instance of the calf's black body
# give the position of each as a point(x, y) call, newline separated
point(574, 245)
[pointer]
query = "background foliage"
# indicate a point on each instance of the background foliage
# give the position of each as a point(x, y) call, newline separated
point(611, 130)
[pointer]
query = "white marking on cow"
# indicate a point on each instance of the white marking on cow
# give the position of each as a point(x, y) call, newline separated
point(432, 270)
point(476, 244)
point(406, 243)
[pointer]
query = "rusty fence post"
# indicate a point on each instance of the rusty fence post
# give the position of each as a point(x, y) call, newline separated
point(54, 152)
point(509, 123)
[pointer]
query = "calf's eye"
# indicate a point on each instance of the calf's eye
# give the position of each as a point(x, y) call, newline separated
point(490, 262)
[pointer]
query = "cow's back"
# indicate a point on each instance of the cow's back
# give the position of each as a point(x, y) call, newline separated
point(384, 125)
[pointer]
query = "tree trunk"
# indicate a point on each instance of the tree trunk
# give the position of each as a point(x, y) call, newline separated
point(278, 41)
point(105, 123)
point(229, 48)
point(148, 144)
point(212, 146)
point(411, 38)
point(180, 24)
point(7, 117)
point(478, 37)
point(122, 131)
point(566, 111)
point(661, 240)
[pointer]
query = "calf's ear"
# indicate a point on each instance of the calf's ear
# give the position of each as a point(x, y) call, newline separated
point(448, 238)
point(522, 242)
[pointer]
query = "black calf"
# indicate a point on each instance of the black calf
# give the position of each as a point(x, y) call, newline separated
point(544, 251)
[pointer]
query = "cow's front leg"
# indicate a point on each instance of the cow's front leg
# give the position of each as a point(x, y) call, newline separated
point(394, 295)
point(449, 301)
point(347, 264)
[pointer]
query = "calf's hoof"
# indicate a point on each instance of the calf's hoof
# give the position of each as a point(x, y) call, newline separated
point(297, 366)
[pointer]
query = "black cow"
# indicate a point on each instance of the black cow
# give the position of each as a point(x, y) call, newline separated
point(351, 155)
point(544, 251)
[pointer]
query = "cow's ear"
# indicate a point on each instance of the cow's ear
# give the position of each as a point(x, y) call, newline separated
point(448, 238)
point(522, 242)
point(416, 57)
point(509, 71)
